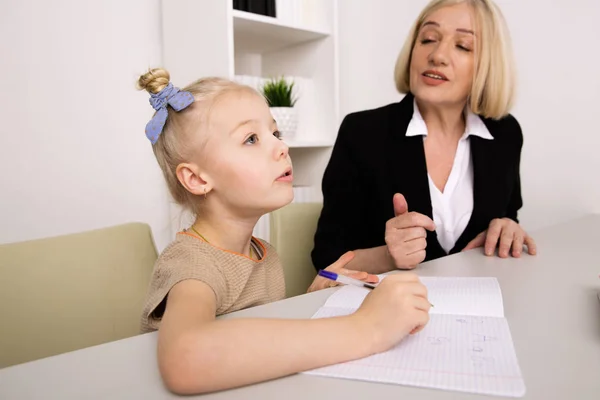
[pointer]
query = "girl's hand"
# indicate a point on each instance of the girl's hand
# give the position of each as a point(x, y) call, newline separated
point(398, 306)
point(338, 267)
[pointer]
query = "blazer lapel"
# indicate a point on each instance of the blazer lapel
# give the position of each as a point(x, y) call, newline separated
point(407, 169)
point(482, 156)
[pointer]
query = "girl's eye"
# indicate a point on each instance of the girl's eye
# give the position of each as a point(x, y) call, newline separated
point(252, 139)
point(277, 134)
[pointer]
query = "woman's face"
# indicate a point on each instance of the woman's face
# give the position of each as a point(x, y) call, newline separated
point(443, 61)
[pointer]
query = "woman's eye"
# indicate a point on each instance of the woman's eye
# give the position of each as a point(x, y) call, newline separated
point(464, 48)
point(277, 134)
point(426, 41)
point(252, 139)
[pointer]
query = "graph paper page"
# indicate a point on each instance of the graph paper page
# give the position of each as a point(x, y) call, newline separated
point(462, 353)
point(466, 346)
point(449, 295)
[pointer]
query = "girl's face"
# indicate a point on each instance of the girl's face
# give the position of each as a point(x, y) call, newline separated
point(249, 167)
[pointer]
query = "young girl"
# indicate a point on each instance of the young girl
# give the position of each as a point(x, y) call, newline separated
point(220, 152)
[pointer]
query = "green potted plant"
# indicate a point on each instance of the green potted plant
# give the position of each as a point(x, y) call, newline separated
point(279, 93)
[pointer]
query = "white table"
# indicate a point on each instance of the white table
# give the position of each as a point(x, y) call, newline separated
point(550, 301)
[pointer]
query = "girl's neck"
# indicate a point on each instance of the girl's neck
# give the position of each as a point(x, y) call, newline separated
point(225, 231)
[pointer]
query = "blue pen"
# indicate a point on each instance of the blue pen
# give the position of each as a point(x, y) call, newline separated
point(351, 281)
point(344, 279)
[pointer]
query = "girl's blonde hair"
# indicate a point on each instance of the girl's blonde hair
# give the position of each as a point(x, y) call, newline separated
point(181, 136)
point(492, 92)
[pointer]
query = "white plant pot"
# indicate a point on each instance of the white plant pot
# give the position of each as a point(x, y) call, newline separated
point(287, 121)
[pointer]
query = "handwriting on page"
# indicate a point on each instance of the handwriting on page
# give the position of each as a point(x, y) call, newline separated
point(472, 354)
point(437, 340)
point(466, 346)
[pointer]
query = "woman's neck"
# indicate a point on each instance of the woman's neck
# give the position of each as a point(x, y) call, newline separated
point(443, 122)
point(225, 231)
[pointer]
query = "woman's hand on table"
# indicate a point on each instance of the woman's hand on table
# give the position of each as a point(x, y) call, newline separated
point(505, 234)
point(338, 267)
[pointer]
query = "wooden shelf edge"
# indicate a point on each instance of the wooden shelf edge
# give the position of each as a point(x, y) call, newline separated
point(248, 16)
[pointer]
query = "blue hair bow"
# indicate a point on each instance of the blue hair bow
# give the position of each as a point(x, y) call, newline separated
point(172, 96)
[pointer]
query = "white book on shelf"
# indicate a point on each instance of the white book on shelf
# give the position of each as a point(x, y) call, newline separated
point(310, 14)
point(284, 11)
point(298, 5)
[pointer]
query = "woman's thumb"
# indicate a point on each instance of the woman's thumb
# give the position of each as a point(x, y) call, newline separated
point(400, 205)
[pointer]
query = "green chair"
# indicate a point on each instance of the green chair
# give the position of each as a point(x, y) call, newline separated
point(68, 292)
point(292, 233)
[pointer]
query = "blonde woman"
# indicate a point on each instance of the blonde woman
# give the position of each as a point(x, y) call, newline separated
point(438, 172)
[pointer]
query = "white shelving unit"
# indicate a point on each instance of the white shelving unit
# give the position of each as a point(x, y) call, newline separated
point(210, 38)
point(260, 34)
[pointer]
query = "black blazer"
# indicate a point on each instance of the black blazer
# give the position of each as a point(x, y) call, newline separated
point(372, 159)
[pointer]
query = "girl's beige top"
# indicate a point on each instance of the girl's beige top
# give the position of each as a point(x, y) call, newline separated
point(238, 281)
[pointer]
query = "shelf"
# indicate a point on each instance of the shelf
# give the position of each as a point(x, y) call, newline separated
point(296, 144)
point(260, 34)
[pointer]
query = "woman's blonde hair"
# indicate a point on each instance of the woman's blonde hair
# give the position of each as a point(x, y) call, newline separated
point(181, 136)
point(493, 88)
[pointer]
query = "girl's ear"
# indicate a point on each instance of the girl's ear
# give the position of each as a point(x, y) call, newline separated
point(192, 179)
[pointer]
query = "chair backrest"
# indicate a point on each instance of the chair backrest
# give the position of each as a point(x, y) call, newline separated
point(69, 292)
point(292, 233)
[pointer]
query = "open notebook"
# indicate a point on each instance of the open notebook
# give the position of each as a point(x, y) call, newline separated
point(466, 345)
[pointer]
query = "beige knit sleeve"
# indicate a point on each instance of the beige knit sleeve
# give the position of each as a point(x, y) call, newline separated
point(179, 262)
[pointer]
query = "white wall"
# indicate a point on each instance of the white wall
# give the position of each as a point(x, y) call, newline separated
point(73, 155)
point(556, 46)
